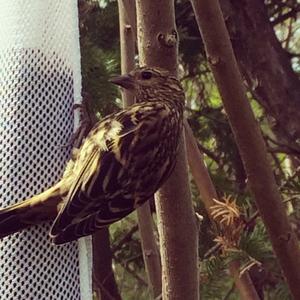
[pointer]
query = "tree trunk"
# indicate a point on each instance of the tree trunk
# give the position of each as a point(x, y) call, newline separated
point(157, 41)
point(208, 192)
point(200, 174)
point(127, 20)
point(104, 283)
point(265, 65)
point(127, 24)
point(249, 139)
point(150, 249)
point(243, 283)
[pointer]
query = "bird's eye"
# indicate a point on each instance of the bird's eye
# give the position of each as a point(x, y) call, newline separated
point(146, 75)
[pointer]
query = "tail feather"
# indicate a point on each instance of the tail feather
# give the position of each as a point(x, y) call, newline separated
point(88, 225)
point(75, 231)
point(33, 211)
point(78, 230)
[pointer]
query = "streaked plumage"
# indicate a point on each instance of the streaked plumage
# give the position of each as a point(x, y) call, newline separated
point(123, 161)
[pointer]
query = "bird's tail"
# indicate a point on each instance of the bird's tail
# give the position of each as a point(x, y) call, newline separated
point(39, 208)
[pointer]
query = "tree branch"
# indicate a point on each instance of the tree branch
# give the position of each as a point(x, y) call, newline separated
point(127, 19)
point(208, 193)
point(291, 14)
point(157, 43)
point(249, 139)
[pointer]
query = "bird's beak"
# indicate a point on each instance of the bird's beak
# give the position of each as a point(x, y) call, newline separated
point(124, 81)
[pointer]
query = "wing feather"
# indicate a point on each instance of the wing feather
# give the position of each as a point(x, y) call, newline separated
point(93, 168)
point(120, 165)
point(74, 205)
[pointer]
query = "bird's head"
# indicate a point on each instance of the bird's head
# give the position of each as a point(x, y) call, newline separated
point(151, 84)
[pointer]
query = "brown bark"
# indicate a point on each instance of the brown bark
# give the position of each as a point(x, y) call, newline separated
point(199, 171)
point(208, 192)
point(127, 20)
point(127, 24)
point(243, 282)
point(104, 283)
point(249, 139)
point(157, 41)
point(265, 66)
point(150, 249)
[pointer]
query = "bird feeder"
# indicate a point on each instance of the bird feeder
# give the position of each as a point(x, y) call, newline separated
point(39, 83)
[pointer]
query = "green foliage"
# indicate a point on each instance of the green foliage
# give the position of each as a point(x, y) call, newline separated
point(190, 41)
point(255, 243)
point(216, 281)
point(101, 26)
point(211, 127)
point(100, 56)
point(128, 263)
point(281, 292)
point(97, 67)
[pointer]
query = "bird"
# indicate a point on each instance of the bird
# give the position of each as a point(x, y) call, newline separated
point(123, 161)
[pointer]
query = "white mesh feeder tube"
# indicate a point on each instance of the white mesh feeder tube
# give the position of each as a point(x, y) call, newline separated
point(39, 83)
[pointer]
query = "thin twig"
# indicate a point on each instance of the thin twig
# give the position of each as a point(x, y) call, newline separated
point(126, 238)
point(130, 271)
point(283, 145)
point(230, 291)
point(291, 14)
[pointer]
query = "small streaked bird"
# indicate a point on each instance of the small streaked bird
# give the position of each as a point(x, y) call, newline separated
point(123, 161)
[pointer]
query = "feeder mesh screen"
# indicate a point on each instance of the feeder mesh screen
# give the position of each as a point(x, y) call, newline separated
point(39, 82)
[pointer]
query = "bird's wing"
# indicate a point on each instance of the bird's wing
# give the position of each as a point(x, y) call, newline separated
point(89, 225)
point(100, 163)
